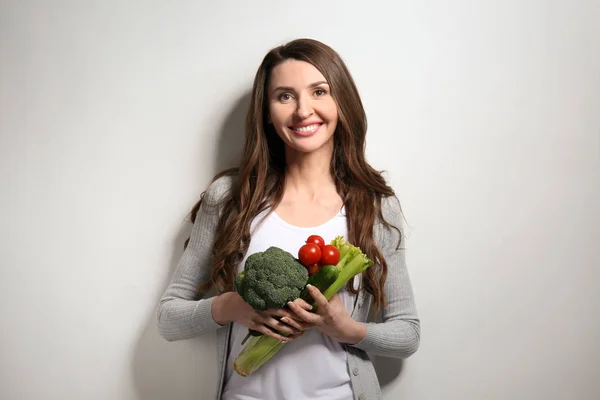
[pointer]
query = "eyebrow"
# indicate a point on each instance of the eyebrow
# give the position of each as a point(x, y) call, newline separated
point(292, 89)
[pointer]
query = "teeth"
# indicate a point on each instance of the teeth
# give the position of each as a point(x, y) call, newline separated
point(307, 128)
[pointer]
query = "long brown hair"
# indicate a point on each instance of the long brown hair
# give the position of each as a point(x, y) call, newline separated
point(258, 182)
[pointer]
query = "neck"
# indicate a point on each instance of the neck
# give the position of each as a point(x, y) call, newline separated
point(309, 174)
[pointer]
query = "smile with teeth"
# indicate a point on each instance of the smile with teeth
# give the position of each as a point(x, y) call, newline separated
point(309, 128)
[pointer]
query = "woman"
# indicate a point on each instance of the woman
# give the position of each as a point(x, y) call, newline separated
point(303, 172)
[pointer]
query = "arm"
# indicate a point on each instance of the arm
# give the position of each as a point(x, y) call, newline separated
point(179, 314)
point(398, 334)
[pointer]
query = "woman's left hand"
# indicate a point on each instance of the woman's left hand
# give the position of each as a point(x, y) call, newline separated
point(331, 318)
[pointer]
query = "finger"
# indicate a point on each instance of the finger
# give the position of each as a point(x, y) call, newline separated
point(289, 314)
point(265, 330)
point(281, 326)
point(279, 312)
point(289, 317)
point(300, 326)
point(306, 316)
point(303, 304)
point(318, 296)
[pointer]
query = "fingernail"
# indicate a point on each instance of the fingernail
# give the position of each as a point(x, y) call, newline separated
point(289, 303)
point(309, 285)
point(283, 319)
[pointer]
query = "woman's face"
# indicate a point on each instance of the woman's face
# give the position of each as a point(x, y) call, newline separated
point(301, 107)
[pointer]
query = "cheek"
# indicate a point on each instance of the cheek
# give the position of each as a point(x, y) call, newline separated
point(331, 111)
point(333, 120)
point(279, 112)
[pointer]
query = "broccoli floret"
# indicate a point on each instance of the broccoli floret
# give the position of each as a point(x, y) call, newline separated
point(270, 279)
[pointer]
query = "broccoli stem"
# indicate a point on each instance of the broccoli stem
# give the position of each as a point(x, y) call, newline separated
point(247, 336)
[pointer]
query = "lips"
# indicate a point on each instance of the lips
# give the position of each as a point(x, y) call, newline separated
point(306, 129)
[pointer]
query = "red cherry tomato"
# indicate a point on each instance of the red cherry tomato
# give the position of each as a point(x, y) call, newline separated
point(313, 269)
point(309, 254)
point(330, 255)
point(316, 239)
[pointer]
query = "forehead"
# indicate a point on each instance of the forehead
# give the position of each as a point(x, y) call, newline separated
point(295, 73)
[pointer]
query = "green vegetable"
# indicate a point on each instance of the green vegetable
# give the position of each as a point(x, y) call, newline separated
point(352, 262)
point(321, 280)
point(270, 279)
point(260, 349)
point(238, 281)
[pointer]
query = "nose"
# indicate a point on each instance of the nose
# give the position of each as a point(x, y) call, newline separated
point(304, 109)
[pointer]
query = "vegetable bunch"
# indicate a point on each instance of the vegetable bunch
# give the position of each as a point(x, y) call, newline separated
point(327, 276)
point(315, 254)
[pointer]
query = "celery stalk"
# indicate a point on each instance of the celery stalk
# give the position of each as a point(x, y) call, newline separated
point(257, 352)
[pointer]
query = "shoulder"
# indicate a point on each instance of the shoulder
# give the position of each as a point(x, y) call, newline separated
point(390, 231)
point(390, 207)
point(219, 190)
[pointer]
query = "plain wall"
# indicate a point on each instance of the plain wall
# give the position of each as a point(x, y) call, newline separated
point(114, 116)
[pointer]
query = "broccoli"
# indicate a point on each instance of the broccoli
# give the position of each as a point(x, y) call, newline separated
point(270, 279)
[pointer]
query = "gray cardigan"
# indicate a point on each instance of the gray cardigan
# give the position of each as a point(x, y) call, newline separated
point(181, 316)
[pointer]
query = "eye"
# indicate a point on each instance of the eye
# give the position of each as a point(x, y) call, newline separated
point(320, 92)
point(285, 97)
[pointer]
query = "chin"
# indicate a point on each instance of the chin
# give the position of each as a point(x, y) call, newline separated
point(310, 145)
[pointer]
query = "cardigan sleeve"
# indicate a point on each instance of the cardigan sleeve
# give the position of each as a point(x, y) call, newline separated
point(398, 335)
point(180, 315)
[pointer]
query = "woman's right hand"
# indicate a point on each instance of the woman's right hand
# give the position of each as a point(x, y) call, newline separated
point(229, 307)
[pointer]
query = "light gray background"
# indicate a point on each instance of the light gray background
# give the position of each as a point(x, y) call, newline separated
point(114, 115)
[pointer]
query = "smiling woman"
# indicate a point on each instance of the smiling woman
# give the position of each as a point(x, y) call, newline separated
point(303, 171)
point(304, 114)
point(303, 109)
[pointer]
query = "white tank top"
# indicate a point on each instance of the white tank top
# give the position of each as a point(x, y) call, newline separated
point(311, 367)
